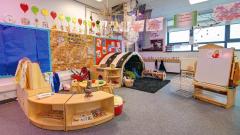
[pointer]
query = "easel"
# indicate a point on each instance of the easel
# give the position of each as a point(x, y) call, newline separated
point(226, 92)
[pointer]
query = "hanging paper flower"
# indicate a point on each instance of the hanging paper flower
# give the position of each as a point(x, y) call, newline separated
point(89, 23)
point(85, 22)
point(35, 10)
point(93, 24)
point(91, 18)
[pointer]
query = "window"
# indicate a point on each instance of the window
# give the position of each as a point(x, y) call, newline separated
point(235, 31)
point(210, 34)
point(235, 45)
point(195, 48)
point(179, 36)
point(179, 48)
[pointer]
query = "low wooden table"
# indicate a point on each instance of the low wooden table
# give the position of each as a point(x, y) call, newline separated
point(80, 86)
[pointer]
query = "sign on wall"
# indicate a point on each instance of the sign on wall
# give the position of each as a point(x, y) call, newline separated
point(185, 20)
point(227, 12)
point(155, 24)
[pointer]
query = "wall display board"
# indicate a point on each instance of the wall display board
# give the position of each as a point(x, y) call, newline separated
point(227, 12)
point(71, 50)
point(106, 46)
point(214, 66)
point(17, 42)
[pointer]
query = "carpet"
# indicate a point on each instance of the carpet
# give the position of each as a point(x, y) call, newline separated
point(150, 85)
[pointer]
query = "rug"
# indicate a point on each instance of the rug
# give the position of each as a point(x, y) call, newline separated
point(150, 85)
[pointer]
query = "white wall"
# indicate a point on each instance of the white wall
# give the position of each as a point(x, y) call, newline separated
point(66, 7)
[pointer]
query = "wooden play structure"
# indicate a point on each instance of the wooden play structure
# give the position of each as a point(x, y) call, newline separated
point(112, 67)
point(216, 77)
point(61, 111)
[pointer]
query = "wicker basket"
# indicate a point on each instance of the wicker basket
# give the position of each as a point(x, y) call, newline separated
point(128, 82)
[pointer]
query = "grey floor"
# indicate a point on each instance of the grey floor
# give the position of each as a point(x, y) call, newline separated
point(163, 113)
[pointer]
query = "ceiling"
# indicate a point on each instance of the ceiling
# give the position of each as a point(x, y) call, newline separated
point(165, 8)
point(100, 5)
point(168, 8)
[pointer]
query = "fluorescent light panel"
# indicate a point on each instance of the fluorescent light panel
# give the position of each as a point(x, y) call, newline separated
point(196, 1)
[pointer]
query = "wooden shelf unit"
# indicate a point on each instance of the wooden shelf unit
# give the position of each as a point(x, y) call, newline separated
point(78, 104)
point(37, 107)
point(109, 75)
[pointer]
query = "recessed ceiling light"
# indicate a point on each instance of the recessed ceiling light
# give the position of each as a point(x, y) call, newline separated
point(196, 1)
point(99, 0)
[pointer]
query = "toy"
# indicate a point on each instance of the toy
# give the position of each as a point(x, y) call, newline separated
point(83, 75)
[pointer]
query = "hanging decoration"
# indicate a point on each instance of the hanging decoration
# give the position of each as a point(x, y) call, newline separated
point(45, 12)
point(138, 26)
point(155, 24)
point(35, 11)
point(186, 20)
point(80, 21)
point(68, 19)
point(53, 15)
point(227, 12)
point(61, 19)
point(24, 7)
point(74, 21)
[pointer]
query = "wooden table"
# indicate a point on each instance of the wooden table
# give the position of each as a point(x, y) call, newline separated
point(80, 86)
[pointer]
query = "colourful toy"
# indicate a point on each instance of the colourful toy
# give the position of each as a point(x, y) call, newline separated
point(83, 75)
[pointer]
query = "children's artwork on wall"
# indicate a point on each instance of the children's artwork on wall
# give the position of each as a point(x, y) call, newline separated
point(25, 21)
point(71, 50)
point(154, 24)
point(155, 45)
point(227, 12)
point(186, 20)
point(138, 26)
point(106, 46)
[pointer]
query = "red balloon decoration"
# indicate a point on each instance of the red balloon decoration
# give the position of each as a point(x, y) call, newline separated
point(24, 7)
point(80, 21)
point(53, 15)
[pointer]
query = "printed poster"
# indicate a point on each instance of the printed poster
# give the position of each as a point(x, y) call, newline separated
point(138, 26)
point(185, 20)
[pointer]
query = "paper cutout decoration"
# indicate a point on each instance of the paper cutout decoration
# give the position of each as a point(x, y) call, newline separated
point(25, 21)
point(93, 24)
point(45, 12)
point(138, 26)
point(53, 15)
point(74, 20)
point(35, 10)
point(24, 7)
point(185, 20)
point(80, 21)
point(61, 17)
point(68, 19)
point(85, 22)
point(155, 24)
point(227, 12)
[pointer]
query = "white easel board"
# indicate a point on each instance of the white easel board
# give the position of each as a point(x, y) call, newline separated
point(214, 66)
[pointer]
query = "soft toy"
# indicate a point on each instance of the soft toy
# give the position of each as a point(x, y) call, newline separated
point(83, 75)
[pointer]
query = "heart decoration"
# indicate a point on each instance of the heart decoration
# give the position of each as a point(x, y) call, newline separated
point(85, 22)
point(74, 20)
point(93, 24)
point(68, 19)
point(53, 15)
point(89, 23)
point(35, 10)
point(24, 7)
point(45, 12)
point(80, 21)
point(61, 17)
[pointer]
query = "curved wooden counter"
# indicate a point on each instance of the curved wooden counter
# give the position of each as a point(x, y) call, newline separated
point(59, 112)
